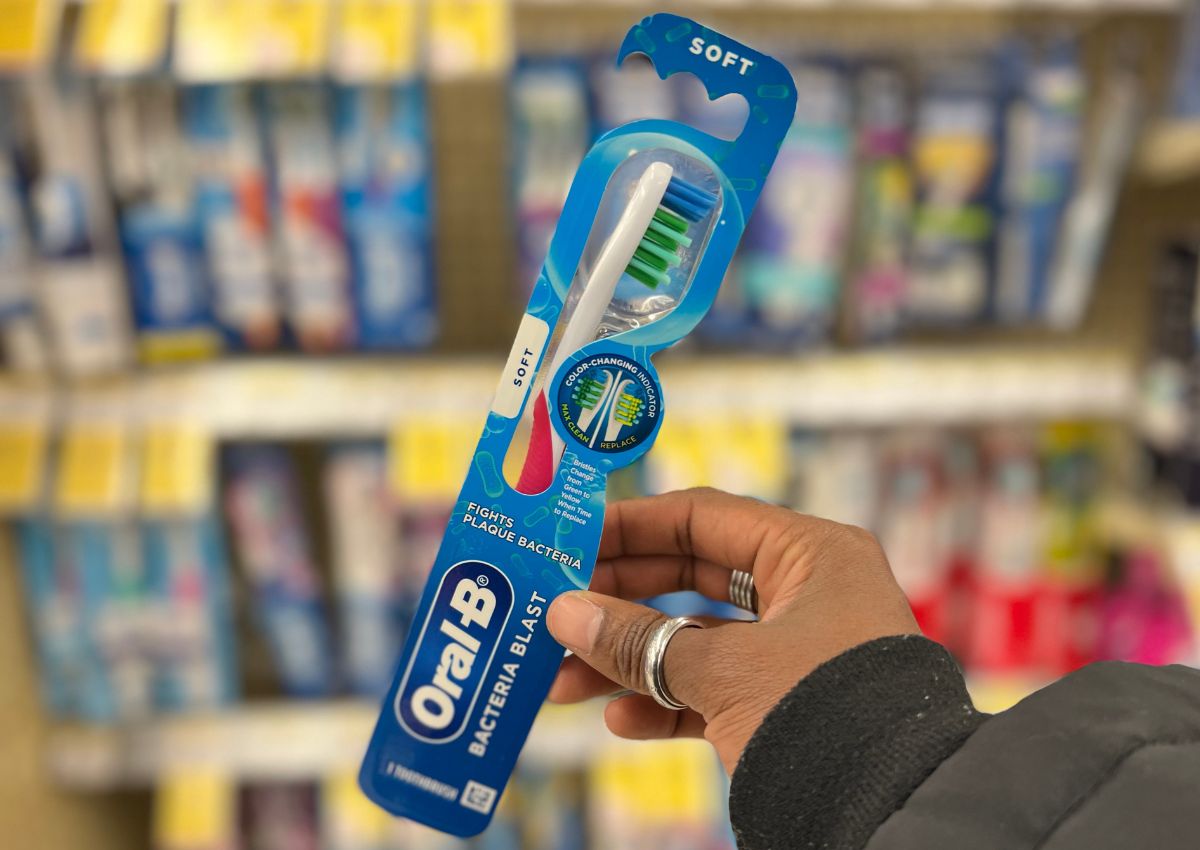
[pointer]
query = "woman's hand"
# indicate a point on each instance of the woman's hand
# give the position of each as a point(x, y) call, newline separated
point(823, 588)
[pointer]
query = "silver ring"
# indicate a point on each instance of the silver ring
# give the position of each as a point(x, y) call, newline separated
point(742, 591)
point(656, 652)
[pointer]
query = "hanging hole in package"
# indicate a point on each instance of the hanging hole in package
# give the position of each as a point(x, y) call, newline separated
point(652, 219)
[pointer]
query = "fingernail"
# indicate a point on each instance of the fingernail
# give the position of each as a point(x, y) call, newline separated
point(575, 622)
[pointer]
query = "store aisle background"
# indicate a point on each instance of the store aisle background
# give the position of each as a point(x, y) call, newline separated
point(260, 263)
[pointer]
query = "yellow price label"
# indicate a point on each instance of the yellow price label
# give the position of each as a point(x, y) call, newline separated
point(194, 811)
point(468, 37)
point(215, 39)
point(351, 819)
point(376, 40)
point(682, 454)
point(22, 465)
point(121, 36)
point(27, 29)
point(177, 470)
point(92, 476)
point(428, 459)
point(292, 36)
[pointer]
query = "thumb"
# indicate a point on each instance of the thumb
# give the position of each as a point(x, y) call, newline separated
point(610, 635)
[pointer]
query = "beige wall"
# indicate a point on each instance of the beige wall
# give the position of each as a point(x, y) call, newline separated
point(34, 814)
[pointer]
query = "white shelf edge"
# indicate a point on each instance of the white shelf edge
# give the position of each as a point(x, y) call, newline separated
point(276, 741)
point(298, 398)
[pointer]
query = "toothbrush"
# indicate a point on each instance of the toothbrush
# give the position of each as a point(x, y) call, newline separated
point(645, 244)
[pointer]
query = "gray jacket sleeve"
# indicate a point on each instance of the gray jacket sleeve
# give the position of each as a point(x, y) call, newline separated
point(881, 749)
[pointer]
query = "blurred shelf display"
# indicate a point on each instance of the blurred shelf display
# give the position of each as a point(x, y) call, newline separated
point(309, 398)
point(306, 740)
point(276, 741)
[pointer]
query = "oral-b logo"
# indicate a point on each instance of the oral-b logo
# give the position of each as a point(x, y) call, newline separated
point(454, 649)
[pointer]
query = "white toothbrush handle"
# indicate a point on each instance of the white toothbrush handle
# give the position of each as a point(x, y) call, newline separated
point(610, 265)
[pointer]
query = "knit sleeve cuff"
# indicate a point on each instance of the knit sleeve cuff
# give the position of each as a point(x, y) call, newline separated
point(848, 745)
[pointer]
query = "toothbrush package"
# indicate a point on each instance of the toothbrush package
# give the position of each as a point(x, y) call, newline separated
point(651, 221)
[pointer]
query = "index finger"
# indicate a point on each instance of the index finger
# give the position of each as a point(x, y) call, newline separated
point(733, 531)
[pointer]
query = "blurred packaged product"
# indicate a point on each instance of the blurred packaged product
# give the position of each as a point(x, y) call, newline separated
point(1144, 617)
point(625, 93)
point(956, 158)
point(1168, 414)
point(1066, 620)
point(161, 234)
point(270, 539)
point(383, 156)
point(1043, 131)
point(21, 343)
point(368, 574)
point(551, 129)
point(279, 816)
point(878, 275)
point(81, 296)
point(791, 261)
point(912, 528)
point(222, 130)
point(310, 232)
point(1185, 84)
point(1008, 568)
point(189, 613)
point(1119, 109)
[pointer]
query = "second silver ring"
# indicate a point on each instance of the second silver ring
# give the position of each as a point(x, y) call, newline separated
point(742, 591)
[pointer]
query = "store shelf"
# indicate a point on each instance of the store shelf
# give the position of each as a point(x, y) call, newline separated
point(275, 741)
point(1170, 151)
point(303, 740)
point(306, 398)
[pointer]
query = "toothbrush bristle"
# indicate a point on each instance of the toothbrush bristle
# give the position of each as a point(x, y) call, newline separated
point(628, 409)
point(588, 393)
point(683, 204)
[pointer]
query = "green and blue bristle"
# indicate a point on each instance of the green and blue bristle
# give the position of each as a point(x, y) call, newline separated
point(628, 409)
point(683, 205)
point(588, 393)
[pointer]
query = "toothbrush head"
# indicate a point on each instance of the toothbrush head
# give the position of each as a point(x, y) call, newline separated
point(588, 393)
point(628, 409)
point(683, 204)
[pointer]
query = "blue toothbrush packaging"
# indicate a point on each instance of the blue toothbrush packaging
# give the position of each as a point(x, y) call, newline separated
point(651, 221)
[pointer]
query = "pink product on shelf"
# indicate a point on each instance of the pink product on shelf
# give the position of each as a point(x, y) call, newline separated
point(1144, 619)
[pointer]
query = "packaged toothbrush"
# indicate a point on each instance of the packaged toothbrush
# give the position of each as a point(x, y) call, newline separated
point(1090, 212)
point(52, 600)
point(160, 233)
point(189, 612)
point(956, 160)
point(368, 574)
point(272, 546)
point(385, 185)
point(649, 226)
point(21, 345)
point(791, 262)
point(232, 204)
point(310, 231)
point(550, 136)
point(81, 295)
point(878, 275)
point(1043, 130)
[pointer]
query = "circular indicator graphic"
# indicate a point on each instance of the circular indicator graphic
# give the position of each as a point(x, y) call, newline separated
point(608, 403)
